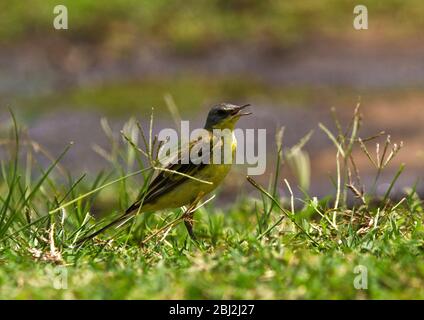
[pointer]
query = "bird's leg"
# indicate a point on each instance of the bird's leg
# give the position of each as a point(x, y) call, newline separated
point(188, 217)
point(188, 222)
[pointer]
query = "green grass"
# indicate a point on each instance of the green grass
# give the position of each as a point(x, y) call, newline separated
point(258, 247)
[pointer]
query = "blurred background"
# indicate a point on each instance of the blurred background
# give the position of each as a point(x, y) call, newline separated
point(292, 60)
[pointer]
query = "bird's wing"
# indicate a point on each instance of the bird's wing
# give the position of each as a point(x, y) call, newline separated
point(167, 179)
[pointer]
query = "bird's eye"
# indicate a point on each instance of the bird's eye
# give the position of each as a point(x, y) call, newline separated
point(221, 112)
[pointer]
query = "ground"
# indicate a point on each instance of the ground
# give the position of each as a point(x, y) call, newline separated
point(230, 263)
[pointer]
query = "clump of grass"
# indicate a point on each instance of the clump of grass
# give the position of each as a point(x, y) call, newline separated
point(339, 222)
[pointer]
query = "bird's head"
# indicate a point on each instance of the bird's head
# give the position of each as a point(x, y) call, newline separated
point(225, 116)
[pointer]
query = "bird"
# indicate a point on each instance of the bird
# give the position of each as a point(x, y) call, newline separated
point(170, 190)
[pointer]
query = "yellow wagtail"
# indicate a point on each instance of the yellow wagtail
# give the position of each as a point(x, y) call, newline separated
point(171, 190)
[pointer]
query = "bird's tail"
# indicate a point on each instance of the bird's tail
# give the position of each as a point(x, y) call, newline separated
point(132, 208)
point(120, 219)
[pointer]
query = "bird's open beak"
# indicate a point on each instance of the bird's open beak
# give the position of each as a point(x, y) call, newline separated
point(238, 112)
